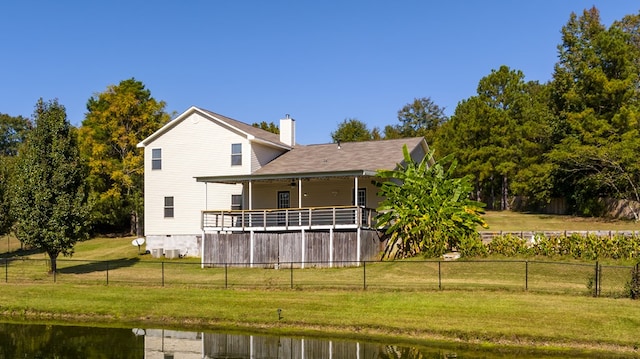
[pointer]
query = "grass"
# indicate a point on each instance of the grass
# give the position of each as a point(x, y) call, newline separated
point(482, 303)
point(516, 221)
point(409, 317)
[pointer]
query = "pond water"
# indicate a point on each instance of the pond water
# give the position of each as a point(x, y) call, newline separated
point(70, 342)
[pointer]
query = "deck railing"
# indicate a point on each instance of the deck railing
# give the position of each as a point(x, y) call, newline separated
point(289, 218)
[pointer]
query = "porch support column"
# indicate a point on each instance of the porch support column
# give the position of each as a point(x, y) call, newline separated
point(299, 201)
point(299, 192)
point(357, 217)
point(250, 190)
point(250, 195)
point(355, 191)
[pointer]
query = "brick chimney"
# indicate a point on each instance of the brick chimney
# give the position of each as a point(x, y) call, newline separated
point(288, 130)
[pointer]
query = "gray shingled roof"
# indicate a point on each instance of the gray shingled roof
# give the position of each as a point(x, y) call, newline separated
point(351, 156)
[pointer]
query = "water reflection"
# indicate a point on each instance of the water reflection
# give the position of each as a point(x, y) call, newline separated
point(70, 342)
point(53, 341)
point(176, 344)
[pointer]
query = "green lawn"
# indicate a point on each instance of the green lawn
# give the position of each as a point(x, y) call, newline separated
point(516, 221)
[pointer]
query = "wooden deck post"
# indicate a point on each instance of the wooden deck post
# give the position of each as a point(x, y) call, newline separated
point(303, 251)
point(330, 247)
point(251, 247)
point(358, 255)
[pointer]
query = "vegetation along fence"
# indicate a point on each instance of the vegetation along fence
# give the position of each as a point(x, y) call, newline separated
point(578, 278)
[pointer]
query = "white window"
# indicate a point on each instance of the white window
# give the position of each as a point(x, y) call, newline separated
point(156, 159)
point(362, 197)
point(236, 154)
point(168, 207)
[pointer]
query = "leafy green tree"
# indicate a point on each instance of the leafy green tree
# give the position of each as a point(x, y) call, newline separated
point(420, 118)
point(498, 135)
point(597, 102)
point(49, 197)
point(352, 130)
point(117, 120)
point(12, 132)
point(6, 220)
point(270, 127)
point(393, 131)
point(425, 208)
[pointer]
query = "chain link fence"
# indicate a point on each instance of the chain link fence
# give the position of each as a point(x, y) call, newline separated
point(569, 278)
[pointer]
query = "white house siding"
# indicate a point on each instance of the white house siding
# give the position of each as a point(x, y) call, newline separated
point(261, 155)
point(194, 147)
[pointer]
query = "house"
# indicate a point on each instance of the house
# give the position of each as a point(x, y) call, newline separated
point(232, 193)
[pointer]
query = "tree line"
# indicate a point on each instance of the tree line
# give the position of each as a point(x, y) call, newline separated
point(59, 184)
point(574, 137)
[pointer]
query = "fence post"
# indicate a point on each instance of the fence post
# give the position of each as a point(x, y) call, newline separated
point(364, 275)
point(6, 270)
point(291, 274)
point(596, 281)
point(107, 273)
point(163, 273)
point(526, 275)
point(439, 276)
point(226, 276)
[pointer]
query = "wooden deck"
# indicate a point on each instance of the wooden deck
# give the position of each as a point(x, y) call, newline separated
point(289, 219)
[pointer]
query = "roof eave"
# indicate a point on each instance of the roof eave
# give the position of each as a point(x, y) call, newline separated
point(270, 143)
point(277, 176)
point(210, 115)
point(168, 126)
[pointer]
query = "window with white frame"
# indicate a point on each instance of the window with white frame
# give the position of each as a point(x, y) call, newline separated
point(236, 154)
point(156, 159)
point(236, 202)
point(362, 197)
point(168, 207)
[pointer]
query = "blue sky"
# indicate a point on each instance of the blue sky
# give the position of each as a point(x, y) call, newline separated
point(319, 61)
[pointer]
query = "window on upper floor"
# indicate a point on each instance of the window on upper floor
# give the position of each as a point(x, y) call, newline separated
point(236, 202)
point(168, 207)
point(236, 154)
point(156, 159)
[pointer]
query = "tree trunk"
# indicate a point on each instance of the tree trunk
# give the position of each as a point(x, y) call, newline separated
point(504, 205)
point(54, 262)
point(134, 223)
point(139, 225)
point(492, 196)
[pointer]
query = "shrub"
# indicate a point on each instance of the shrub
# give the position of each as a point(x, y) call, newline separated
point(508, 245)
point(632, 287)
point(472, 246)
